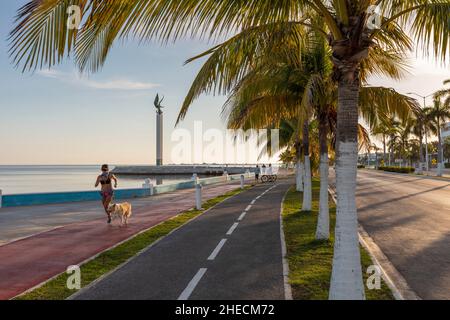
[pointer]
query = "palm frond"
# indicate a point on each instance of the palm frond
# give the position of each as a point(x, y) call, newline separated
point(41, 36)
point(377, 103)
point(230, 61)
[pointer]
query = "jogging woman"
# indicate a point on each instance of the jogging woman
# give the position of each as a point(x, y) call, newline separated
point(107, 191)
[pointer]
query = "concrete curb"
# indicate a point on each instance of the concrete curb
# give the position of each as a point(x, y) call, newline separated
point(412, 175)
point(394, 280)
point(287, 285)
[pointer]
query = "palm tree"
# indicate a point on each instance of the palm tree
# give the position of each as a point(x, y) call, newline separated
point(382, 130)
point(400, 139)
point(377, 149)
point(444, 102)
point(419, 130)
point(42, 37)
point(393, 133)
point(277, 82)
point(439, 113)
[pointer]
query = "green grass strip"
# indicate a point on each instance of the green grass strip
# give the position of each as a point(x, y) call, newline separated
point(310, 260)
point(107, 261)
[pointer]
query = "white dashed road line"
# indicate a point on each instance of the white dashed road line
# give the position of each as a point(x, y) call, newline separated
point(201, 272)
point(241, 217)
point(232, 228)
point(192, 284)
point(217, 249)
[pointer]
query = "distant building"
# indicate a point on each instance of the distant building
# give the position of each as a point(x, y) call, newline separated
point(445, 130)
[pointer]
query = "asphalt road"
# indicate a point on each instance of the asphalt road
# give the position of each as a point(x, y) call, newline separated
point(223, 254)
point(408, 217)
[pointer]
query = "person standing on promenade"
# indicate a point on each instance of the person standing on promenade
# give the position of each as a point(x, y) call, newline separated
point(257, 172)
point(107, 192)
point(263, 169)
point(270, 170)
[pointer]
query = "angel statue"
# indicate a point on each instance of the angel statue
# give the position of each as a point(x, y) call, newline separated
point(158, 105)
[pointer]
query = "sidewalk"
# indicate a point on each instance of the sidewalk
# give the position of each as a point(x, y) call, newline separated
point(26, 263)
point(433, 173)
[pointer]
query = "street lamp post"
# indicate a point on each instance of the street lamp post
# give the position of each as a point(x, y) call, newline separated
point(425, 129)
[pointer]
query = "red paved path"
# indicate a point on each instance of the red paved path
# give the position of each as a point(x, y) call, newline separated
point(28, 262)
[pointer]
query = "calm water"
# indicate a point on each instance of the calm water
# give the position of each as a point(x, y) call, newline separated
point(30, 179)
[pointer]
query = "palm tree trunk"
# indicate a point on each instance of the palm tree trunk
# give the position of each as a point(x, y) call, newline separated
point(426, 152)
point(346, 277)
point(384, 150)
point(421, 157)
point(440, 161)
point(376, 160)
point(323, 222)
point(299, 167)
point(299, 176)
point(391, 153)
point(307, 192)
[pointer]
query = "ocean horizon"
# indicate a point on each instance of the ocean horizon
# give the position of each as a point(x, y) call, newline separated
point(19, 179)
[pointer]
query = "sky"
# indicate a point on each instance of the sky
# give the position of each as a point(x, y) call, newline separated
point(57, 116)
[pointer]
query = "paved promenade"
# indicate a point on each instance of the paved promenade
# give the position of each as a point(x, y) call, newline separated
point(233, 251)
point(71, 233)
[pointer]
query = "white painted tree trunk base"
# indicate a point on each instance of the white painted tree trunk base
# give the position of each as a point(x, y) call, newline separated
point(299, 176)
point(307, 192)
point(346, 277)
point(440, 169)
point(323, 221)
point(420, 169)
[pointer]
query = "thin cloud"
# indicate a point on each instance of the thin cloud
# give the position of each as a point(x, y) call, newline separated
point(116, 84)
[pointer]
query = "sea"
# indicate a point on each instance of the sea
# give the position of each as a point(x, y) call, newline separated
point(19, 179)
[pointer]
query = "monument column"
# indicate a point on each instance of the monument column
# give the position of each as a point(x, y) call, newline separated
point(159, 130)
point(159, 139)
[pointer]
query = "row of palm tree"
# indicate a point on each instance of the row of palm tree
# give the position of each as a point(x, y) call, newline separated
point(405, 139)
point(292, 63)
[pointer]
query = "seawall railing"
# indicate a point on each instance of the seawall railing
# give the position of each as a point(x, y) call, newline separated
point(147, 190)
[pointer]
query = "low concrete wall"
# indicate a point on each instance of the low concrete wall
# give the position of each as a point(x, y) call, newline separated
point(15, 200)
point(174, 170)
point(28, 199)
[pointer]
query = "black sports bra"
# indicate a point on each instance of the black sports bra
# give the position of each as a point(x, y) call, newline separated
point(107, 181)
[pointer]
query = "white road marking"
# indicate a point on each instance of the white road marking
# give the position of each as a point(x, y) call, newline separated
point(248, 207)
point(192, 284)
point(253, 202)
point(241, 217)
point(217, 249)
point(232, 228)
point(258, 197)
